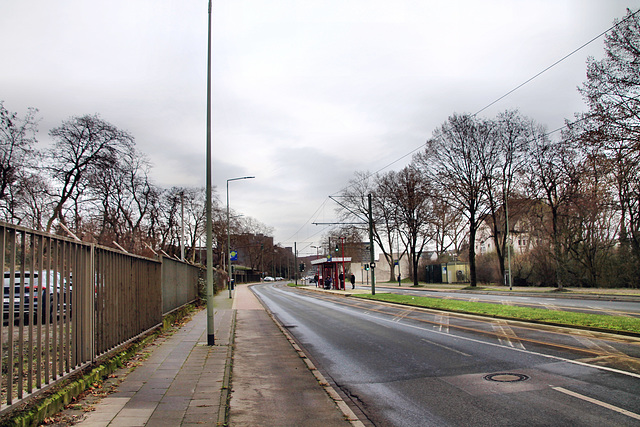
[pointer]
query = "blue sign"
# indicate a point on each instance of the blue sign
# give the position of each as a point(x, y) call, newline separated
point(234, 255)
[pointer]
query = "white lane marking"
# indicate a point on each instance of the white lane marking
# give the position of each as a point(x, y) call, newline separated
point(597, 402)
point(442, 320)
point(507, 334)
point(548, 356)
point(600, 345)
point(377, 316)
point(401, 315)
point(446, 348)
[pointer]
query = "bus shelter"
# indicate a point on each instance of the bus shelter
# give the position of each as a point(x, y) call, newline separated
point(332, 271)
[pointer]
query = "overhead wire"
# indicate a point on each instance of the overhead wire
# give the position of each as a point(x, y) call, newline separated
point(308, 220)
point(484, 108)
point(502, 97)
point(555, 63)
point(380, 169)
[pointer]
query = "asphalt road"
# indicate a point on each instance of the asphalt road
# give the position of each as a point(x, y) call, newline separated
point(409, 367)
point(586, 305)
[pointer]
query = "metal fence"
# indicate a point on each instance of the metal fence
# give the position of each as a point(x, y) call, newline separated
point(128, 297)
point(68, 302)
point(177, 284)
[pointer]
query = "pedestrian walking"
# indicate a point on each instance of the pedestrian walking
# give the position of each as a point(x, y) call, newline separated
point(352, 279)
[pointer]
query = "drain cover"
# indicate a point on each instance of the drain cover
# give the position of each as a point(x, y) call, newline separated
point(506, 377)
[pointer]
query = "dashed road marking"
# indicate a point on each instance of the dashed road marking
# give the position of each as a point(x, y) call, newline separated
point(446, 347)
point(597, 402)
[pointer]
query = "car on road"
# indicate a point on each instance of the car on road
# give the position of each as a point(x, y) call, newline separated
point(269, 279)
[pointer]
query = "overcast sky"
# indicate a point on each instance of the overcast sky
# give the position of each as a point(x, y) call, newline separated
point(304, 92)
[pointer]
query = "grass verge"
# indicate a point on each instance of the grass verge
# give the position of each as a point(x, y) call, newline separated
point(616, 324)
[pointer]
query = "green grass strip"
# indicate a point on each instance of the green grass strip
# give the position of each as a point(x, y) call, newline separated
point(617, 324)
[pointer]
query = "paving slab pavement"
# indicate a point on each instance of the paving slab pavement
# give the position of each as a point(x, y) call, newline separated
point(180, 383)
point(272, 384)
point(184, 381)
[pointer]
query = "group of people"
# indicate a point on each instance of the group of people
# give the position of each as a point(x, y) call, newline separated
point(328, 281)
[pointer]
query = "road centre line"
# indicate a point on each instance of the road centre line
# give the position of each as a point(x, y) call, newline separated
point(372, 313)
point(480, 331)
point(597, 402)
point(535, 353)
point(445, 347)
point(382, 316)
point(417, 308)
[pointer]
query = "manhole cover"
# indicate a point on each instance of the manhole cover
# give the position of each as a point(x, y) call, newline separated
point(506, 377)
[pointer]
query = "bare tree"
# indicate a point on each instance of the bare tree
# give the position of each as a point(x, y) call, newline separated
point(592, 229)
point(32, 201)
point(611, 127)
point(410, 194)
point(82, 144)
point(355, 208)
point(447, 224)
point(17, 137)
point(123, 197)
point(17, 157)
point(195, 219)
point(555, 182)
point(504, 162)
point(451, 163)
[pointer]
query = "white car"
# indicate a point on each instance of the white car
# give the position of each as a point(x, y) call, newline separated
point(269, 279)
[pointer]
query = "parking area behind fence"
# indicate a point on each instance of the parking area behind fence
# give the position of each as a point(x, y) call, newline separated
point(67, 302)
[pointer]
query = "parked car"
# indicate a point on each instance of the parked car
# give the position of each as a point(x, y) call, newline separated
point(26, 280)
point(269, 279)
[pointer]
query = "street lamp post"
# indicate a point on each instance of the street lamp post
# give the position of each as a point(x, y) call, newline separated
point(228, 231)
point(210, 320)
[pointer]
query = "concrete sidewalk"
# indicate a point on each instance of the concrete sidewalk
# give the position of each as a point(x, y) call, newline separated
point(274, 384)
point(185, 382)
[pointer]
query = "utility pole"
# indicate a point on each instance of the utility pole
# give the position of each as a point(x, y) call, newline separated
point(506, 242)
point(182, 225)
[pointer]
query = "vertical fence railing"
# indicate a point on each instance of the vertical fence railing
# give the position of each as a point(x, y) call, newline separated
point(46, 312)
point(67, 303)
point(128, 293)
point(178, 280)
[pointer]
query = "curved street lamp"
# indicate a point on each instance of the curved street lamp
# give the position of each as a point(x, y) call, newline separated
point(229, 233)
